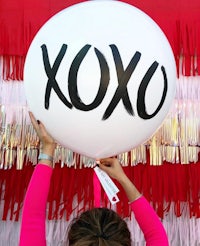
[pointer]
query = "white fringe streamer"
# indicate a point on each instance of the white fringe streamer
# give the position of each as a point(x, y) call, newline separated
point(181, 231)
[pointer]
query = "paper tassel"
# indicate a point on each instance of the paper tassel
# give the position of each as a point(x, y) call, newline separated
point(11, 67)
point(70, 191)
point(181, 29)
point(177, 140)
point(181, 231)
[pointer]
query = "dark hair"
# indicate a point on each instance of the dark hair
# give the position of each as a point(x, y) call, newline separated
point(99, 226)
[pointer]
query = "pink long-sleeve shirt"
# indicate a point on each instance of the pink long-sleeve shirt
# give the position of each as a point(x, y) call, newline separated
point(34, 213)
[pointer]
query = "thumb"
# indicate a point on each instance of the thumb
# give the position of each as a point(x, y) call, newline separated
point(103, 167)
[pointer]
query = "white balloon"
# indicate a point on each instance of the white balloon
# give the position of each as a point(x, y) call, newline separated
point(63, 91)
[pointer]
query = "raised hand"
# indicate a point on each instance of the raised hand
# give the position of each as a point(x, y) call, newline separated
point(46, 140)
point(114, 169)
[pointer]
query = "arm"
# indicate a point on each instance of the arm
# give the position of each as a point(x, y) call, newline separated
point(146, 217)
point(149, 223)
point(34, 210)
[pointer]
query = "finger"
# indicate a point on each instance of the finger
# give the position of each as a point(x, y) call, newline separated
point(38, 126)
point(106, 164)
point(33, 120)
point(104, 167)
point(31, 116)
point(41, 126)
point(107, 161)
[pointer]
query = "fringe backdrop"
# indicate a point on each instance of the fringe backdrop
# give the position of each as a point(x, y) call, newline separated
point(166, 169)
point(178, 19)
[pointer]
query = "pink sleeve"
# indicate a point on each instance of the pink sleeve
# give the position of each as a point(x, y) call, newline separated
point(34, 210)
point(149, 223)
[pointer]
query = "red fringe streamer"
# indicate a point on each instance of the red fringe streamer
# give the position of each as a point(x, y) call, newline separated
point(13, 67)
point(20, 21)
point(161, 185)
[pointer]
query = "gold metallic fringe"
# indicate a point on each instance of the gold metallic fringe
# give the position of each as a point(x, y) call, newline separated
point(177, 141)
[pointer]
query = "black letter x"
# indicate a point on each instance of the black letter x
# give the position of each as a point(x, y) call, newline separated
point(51, 74)
point(123, 78)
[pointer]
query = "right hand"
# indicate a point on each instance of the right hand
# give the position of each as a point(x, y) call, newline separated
point(113, 168)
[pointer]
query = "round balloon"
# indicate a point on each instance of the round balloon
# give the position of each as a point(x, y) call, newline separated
point(101, 77)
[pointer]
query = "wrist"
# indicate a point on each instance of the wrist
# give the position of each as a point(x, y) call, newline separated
point(123, 180)
point(130, 189)
point(43, 156)
point(48, 149)
point(46, 159)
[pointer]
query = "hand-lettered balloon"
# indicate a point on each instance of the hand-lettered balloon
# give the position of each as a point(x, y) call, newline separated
point(101, 77)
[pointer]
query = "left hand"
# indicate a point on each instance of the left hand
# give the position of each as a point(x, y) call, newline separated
point(47, 142)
